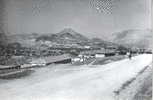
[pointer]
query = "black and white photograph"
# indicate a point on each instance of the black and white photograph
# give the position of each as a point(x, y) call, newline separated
point(75, 50)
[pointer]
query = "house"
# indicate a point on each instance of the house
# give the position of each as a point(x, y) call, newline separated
point(9, 67)
point(92, 53)
point(110, 50)
point(60, 59)
point(77, 59)
point(87, 47)
point(39, 62)
point(148, 51)
point(43, 61)
point(99, 55)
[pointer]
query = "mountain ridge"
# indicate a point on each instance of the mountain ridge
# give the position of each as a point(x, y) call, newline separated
point(134, 38)
point(128, 38)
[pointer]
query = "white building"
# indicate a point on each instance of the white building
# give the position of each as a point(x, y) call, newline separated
point(77, 59)
point(39, 62)
point(99, 55)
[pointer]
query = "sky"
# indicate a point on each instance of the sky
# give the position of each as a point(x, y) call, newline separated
point(92, 18)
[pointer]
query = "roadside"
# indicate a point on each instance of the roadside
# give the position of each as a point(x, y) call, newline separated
point(15, 74)
point(138, 88)
point(18, 73)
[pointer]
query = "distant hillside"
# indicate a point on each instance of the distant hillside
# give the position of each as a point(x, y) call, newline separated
point(100, 42)
point(25, 39)
point(67, 37)
point(134, 38)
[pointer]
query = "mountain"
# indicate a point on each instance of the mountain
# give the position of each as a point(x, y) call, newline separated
point(70, 33)
point(134, 38)
point(3, 39)
point(66, 36)
point(70, 37)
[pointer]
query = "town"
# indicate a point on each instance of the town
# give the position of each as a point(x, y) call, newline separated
point(14, 54)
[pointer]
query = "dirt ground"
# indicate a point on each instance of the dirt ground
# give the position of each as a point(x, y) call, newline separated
point(140, 88)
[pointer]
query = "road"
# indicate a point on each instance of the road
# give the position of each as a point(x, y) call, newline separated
point(66, 82)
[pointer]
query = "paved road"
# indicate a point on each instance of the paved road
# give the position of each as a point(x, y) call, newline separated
point(66, 82)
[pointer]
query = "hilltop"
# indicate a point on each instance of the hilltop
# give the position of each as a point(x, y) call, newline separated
point(69, 37)
point(66, 36)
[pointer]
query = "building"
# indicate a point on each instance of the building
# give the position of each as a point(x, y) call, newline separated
point(61, 59)
point(39, 62)
point(92, 54)
point(77, 59)
point(43, 61)
point(99, 55)
point(110, 50)
point(9, 67)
